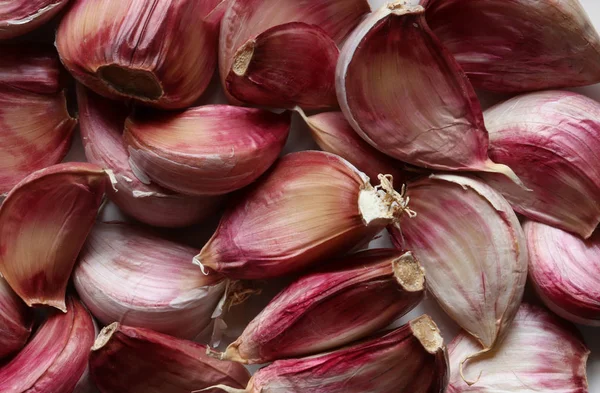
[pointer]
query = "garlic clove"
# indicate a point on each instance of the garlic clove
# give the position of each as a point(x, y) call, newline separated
point(552, 141)
point(473, 249)
point(150, 362)
point(160, 53)
point(540, 353)
point(130, 275)
point(309, 207)
point(102, 123)
point(15, 319)
point(207, 150)
point(56, 357)
point(21, 17)
point(507, 46)
point(43, 224)
point(565, 271)
point(286, 65)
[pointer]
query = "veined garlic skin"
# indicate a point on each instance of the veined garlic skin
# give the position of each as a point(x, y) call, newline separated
point(130, 275)
point(15, 321)
point(565, 271)
point(540, 353)
point(21, 17)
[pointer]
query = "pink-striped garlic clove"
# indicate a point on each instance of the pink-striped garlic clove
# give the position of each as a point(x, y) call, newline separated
point(540, 353)
point(311, 206)
point(21, 17)
point(44, 221)
point(151, 362)
point(15, 319)
point(411, 358)
point(506, 46)
point(130, 275)
point(565, 271)
point(552, 141)
point(102, 122)
point(56, 358)
point(355, 297)
point(206, 150)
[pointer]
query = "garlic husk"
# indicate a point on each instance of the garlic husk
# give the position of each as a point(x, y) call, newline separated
point(406, 95)
point(15, 321)
point(102, 122)
point(21, 17)
point(56, 357)
point(552, 141)
point(160, 53)
point(130, 275)
point(540, 353)
point(44, 221)
point(310, 206)
point(411, 358)
point(206, 150)
point(151, 362)
point(36, 126)
point(508, 47)
point(565, 271)
point(473, 249)
point(285, 66)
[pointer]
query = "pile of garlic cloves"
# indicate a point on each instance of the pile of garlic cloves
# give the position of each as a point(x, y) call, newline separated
point(139, 267)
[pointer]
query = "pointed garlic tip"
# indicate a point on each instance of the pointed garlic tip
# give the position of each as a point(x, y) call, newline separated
point(428, 334)
point(409, 273)
point(224, 388)
point(105, 335)
point(243, 57)
point(17, 19)
point(505, 170)
point(383, 202)
point(231, 354)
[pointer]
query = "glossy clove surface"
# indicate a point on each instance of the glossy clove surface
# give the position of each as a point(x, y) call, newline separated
point(15, 321)
point(21, 17)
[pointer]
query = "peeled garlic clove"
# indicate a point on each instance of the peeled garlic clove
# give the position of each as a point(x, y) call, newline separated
point(150, 362)
point(507, 46)
point(206, 150)
point(160, 53)
point(102, 123)
point(540, 353)
point(287, 65)
point(21, 17)
point(43, 224)
point(310, 206)
point(552, 141)
point(473, 249)
point(15, 321)
point(56, 357)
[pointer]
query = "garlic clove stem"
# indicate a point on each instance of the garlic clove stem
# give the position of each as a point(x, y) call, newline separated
point(21, 17)
point(16, 321)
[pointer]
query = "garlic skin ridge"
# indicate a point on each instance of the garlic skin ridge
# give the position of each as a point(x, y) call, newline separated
point(21, 17)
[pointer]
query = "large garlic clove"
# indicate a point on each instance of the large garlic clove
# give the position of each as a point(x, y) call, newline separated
point(406, 95)
point(552, 141)
point(36, 126)
point(130, 275)
point(473, 249)
point(311, 206)
point(150, 362)
point(507, 46)
point(21, 17)
point(160, 53)
point(287, 65)
point(15, 321)
point(565, 271)
point(56, 357)
point(102, 123)
point(207, 150)
point(540, 353)
point(43, 224)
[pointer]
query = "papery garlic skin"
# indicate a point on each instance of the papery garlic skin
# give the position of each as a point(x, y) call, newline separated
point(552, 141)
point(21, 17)
point(565, 271)
point(507, 46)
point(56, 357)
point(150, 362)
point(15, 321)
point(540, 353)
point(473, 249)
point(130, 275)
point(44, 221)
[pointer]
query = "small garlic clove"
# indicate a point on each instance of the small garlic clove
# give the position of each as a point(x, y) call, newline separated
point(286, 65)
point(206, 150)
point(56, 357)
point(565, 271)
point(507, 46)
point(21, 17)
point(310, 206)
point(150, 362)
point(102, 123)
point(540, 353)
point(130, 275)
point(15, 321)
point(552, 141)
point(44, 221)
